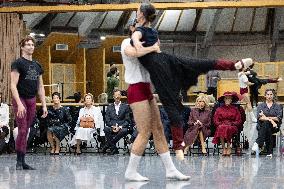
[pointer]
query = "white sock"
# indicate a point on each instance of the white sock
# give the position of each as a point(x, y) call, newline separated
point(131, 170)
point(171, 171)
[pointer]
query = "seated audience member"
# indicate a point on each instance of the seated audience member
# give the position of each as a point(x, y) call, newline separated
point(227, 120)
point(199, 123)
point(117, 123)
point(58, 123)
point(269, 115)
point(4, 125)
point(90, 118)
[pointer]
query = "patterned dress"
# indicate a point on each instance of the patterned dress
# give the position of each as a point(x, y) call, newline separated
point(58, 121)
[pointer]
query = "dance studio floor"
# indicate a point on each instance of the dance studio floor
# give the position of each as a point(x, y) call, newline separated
point(103, 172)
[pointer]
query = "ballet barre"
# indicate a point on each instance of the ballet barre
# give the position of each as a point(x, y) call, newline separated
point(54, 84)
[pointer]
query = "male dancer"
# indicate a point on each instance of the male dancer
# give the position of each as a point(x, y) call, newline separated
point(26, 82)
point(146, 114)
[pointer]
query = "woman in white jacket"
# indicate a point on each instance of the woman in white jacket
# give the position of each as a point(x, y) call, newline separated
point(86, 134)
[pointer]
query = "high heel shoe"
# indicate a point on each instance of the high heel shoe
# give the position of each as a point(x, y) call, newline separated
point(51, 152)
point(179, 155)
point(229, 152)
point(204, 152)
point(186, 150)
point(224, 153)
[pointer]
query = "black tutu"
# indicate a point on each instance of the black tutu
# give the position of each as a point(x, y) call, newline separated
point(170, 75)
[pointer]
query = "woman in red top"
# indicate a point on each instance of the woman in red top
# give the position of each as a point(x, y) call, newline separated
point(227, 120)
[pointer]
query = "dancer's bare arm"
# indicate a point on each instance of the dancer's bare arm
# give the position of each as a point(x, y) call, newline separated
point(41, 93)
point(14, 82)
point(136, 36)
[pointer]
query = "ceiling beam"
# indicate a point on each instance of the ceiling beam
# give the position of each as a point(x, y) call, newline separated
point(275, 35)
point(210, 34)
point(134, 6)
point(87, 25)
point(122, 22)
point(159, 15)
point(33, 19)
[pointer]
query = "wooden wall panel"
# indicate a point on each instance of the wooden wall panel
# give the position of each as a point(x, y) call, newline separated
point(134, 6)
point(58, 56)
point(280, 90)
point(80, 71)
point(64, 73)
point(225, 85)
point(108, 44)
point(42, 55)
point(96, 76)
point(91, 57)
point(11, 32)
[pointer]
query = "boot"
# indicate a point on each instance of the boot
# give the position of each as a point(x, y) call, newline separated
point(19, 164)
point(26, 166)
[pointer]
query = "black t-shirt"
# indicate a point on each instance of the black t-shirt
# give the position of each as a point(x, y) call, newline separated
point(149, 36)
point(29, 76)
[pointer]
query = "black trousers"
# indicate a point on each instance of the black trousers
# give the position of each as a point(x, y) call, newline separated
point(253, 95)
point(112, 137)
point(265, 131)
point(2, 145)
point(213, 91)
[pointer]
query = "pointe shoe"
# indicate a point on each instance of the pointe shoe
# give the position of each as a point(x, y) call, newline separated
point(134, 176)
point(244, 63)
point(179, 155)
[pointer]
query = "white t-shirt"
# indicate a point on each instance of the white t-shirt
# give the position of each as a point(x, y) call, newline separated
point(242, 80)
point(134, 71)
point(4, 118)
point(4, 114)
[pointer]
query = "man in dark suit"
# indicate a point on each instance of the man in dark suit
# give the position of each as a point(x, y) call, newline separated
point(117, 122)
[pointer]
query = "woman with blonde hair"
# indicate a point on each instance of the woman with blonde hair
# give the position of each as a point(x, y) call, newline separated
point(199, 123)
point(90, 118)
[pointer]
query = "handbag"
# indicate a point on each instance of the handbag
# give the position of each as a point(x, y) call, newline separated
point(87, 122)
